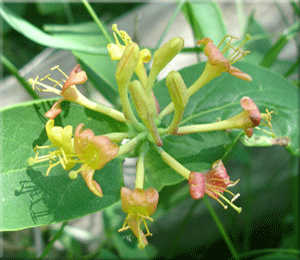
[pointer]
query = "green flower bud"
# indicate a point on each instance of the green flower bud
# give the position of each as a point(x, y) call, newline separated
point(167, 52)
point(127, 64)
point(177, 89)
point(140, 99)
point(143, 107)
point(162, 57)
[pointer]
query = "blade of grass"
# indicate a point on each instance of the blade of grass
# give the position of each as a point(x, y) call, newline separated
point(295, 7)
point(240, 14)
point(181, 229)
point(36, 35)
point(292, 68)
point(13, 70)
point(178, 8)
point(287, 35)
point(283, 16)
point(97, 20)
point(221, 228)
point(269, 251)
point(50, 244)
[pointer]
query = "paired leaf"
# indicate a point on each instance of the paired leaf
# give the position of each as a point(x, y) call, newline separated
point(28, 197)
point(219, 100)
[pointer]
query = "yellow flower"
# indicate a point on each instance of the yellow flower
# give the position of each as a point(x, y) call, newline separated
point(139, 205)
point(94, 152)
point(61, 137)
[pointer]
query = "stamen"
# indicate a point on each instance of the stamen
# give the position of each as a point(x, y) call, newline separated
point(57, 67)
point(238, 209)
point(47, 76)
point(42, 147)
point(33, 82)
point(235, 197)
point(51, 165)
point(233, 183)
point(224, 206)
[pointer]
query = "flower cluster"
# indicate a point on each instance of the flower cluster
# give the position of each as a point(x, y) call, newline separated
point(93, 152)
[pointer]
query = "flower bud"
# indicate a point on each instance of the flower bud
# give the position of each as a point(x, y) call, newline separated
point(127, 64)
point(177, 90)
point(162, 57)
point(140, 99)
point(166, 53)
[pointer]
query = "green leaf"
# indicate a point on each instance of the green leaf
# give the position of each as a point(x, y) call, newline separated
point(219, 100)
point(35, 34)
point(260, 40)
point(28, 197)
point(206, 20)
point(286, 36)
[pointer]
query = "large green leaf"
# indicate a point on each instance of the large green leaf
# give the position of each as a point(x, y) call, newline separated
point(219, 100)
point(28, 197)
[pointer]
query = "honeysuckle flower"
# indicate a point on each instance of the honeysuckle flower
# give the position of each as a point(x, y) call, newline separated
point(116, 52)
point(251, 113)
point(69, 92)
point(214, 184)
point(94, 152)
point(215, 66)
point(139, 205)
point(61, 137)
point(249, 118)
point(217, 63)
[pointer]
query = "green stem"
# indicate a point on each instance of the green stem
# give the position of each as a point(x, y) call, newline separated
point(221, 228)
point(97, 20)
point(238, 121)
point(175, 165)
point(117, 137)
point(82, 100)
point(140, 169)
point(50, 245)
point(13, 70)
point(131, 144)
point(126, 104)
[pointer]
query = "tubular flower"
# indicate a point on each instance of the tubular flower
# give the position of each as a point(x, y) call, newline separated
point(94, 152)
point(139, 205)
point(62, 139)
point(218, 63)
point(69, 90)
point(250, 114)
point(214, 184)
point(116, 50)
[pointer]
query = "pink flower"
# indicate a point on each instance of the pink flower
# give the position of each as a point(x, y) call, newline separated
point(214, 184)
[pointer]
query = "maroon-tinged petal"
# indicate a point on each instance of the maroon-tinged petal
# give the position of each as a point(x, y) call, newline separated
point(77, 76)
point(254, 114)
point(215, 56)
point(87, 175)
point(197, 185)
point(55, 110)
